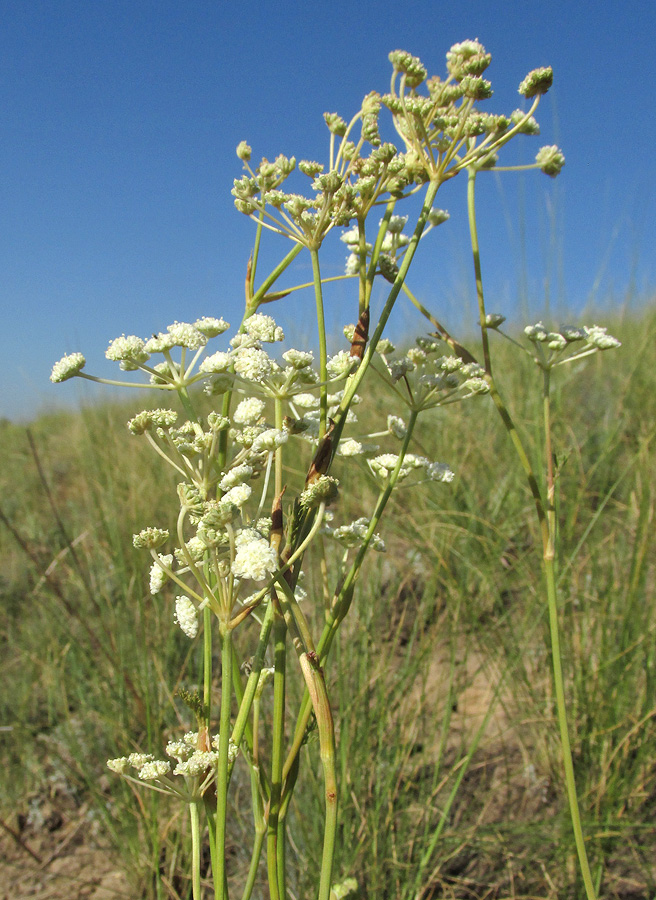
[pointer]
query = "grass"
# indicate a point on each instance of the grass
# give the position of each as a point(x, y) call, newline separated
point(441, 684)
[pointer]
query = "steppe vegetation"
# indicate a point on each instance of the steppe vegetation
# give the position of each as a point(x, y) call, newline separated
point(469, 715)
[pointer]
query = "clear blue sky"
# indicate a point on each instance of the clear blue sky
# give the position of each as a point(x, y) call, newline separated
point(120, 120)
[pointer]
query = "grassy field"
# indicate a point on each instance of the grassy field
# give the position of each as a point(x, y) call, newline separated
point(449, 770)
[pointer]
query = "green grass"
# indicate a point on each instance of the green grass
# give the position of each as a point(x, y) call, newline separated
point(448, 626)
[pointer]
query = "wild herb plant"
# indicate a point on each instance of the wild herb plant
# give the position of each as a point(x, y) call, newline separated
point(245, 529)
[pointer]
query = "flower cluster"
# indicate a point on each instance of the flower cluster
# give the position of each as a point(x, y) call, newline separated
point(423, 378)
point(443, 129)
point(553, 348)
point(196, 766)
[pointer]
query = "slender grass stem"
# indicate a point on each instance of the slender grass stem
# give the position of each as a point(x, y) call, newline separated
point(547, 521)
point(556, 655)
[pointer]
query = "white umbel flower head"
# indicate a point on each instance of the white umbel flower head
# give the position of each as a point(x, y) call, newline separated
point(263, 328)
point(238, 495)
point(269, 440)
point(598, 337)
point(253, 364)
point(254, 558)
point(237, 475)
point(248, 411)
point(150, 538)
point(158, 576)
point(156, 768)
point(67, 367)
point(210, 326)
point(127, 349)
point(186, 616)
point(216, 363)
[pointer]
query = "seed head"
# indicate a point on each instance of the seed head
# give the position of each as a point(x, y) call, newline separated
point(551, 160)
point(537, 82)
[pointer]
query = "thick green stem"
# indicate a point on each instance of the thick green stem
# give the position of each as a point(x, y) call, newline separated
point(316, 686)
point(276, 889)
point(195, 849)
point(207, 664)
point(342, 602)
point(222, 778)
point(323, 352)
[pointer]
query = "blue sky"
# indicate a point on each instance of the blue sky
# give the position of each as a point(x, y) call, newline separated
point(120, 122)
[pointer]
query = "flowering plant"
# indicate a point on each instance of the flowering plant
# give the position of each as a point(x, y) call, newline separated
point(238, 554)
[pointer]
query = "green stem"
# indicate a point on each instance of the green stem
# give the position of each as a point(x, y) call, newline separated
point(561, 707)
point(556, 655)
point(547, 522)
point(260, 832)
point(195, 849)
point(494, 393)
point(273, 277)
point(241, 722)
point(207, 664)
point(323, 352)
point(222, 765)
point(356, 379)
point(316, 686)
point(341, 604)
point(276, 889)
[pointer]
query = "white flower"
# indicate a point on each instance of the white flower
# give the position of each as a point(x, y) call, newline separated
point(238, 475)
point(437, 471)
point(67, 367)
point(137, 760)
point(306, 401)
point(130, 348)
point(396, 224)
point(382, 466)
point(253, 364)
point(238, 495)
point(217, 362)
point(323, 490)
point(351, 237)
point(186, 616)
point(197, 764)
point(350, 447)
point(120, 765)
point(185, 335)
point(269, 440)
point(397, 427)
point(354, 534)
point(248, 411)
point(263, 328)
point(157, 768)
point(150, 538)
point(341, 364)
point(399, 367)
point(599, 338)
point(298, 359)
point(254, 558)
point(210, 326)
point(158, 576)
